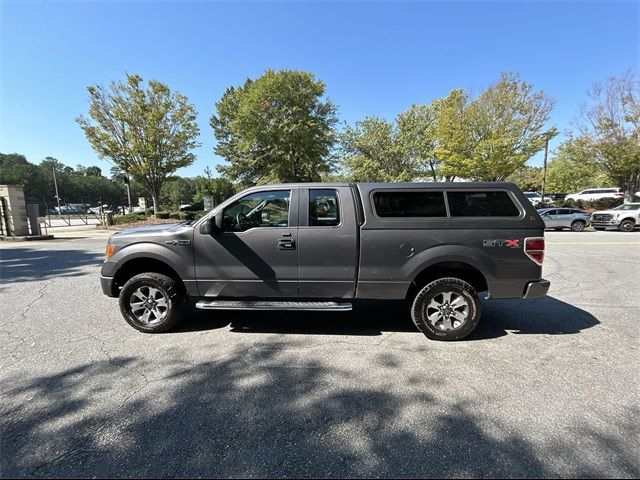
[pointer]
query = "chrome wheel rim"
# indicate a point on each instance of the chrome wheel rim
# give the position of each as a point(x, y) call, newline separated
point(627, 226)
point(578, 227)
point(448, 311)
point(149, 305)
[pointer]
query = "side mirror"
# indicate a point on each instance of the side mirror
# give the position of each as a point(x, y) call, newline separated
point(210, 227)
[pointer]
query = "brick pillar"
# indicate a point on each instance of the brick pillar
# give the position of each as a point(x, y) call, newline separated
point(16, 209)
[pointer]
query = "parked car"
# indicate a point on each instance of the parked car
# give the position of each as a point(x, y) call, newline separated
point(625, 218)
point(535, 198)
point(320, 246)
point(557, 196)
point(100, 209)
point(71, 209)
point(561, 218)
point(592, 194)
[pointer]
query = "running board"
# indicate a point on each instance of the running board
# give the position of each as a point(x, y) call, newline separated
point(272, 305)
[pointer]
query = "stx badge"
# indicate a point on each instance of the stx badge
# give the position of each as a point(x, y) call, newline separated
point(501, 243)
point(178, 242)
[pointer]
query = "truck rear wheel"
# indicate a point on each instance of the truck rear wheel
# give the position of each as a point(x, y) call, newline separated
point(152, 302)
point(446, 309)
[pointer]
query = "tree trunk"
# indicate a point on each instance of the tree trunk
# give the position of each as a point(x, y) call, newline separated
point(154, 196)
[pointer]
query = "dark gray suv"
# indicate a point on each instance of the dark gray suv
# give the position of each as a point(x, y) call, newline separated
point(318, 246)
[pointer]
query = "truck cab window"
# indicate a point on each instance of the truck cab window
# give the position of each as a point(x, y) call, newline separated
point(261, 209)
point(409, 204)
point(324, 210)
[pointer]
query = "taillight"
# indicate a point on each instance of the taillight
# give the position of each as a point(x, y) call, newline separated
point(534, 248)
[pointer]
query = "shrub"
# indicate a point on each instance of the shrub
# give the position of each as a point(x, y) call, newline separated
point(128, 218)
point(607, 203)
point(186, 216)
point(163, 215)
point(174, 215)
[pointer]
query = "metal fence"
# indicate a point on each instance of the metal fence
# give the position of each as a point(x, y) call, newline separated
point(68, 215)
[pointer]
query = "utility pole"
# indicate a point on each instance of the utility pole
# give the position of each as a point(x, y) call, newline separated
point(55, 183)
point(544, 169)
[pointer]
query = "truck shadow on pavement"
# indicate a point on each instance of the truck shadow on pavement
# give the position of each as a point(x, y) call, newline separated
point(28, 264)
point(541, 316)
point(262, 412)
point(544, 316)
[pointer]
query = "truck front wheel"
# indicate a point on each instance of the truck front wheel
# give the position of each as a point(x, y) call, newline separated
point(446, 309)
point(627, 226)
point(152, 302)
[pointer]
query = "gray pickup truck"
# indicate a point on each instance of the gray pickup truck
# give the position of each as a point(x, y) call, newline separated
point(319, 246)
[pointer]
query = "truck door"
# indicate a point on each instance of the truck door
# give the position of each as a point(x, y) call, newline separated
point(255, 254)
point(327, 243)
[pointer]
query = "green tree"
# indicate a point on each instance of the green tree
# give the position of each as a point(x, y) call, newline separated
point(219, 188)
point(418, 139)
point(371, 152)
point(528, 178)
point(116, 173)
point(277, 128)
point(492, 136)
point(149, 133)
point(609, 131)
point(93, 171)
point(572, 169)
point(178, 191)
point(16, 170)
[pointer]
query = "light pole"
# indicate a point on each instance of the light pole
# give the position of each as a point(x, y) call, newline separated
point(55, 183)
point(544, 168)
point(550, 134)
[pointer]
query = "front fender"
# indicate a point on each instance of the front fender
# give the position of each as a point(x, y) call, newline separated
point(178, 257)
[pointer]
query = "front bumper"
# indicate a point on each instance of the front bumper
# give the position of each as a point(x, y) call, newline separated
point(537, 289)
point(611, 223)
point(107, 286)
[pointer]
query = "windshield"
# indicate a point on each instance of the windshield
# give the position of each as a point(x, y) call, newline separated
point(628, 206)
point(531, 194)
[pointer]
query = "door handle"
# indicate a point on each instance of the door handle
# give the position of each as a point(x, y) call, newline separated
point(286, 244)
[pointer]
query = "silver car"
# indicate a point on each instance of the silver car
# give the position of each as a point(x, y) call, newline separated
point(560, 218)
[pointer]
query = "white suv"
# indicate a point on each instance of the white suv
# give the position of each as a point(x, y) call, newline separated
point(535, 198)
point(592, 194)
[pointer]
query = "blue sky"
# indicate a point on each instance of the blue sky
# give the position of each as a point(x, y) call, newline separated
point(376, 58)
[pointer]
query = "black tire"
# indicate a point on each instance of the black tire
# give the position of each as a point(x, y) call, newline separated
point(578, 226)
point(627, 226)
point(433, 292)
point(170, 309)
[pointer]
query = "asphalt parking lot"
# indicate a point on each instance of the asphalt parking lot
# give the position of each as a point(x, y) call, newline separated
point(544, 388)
